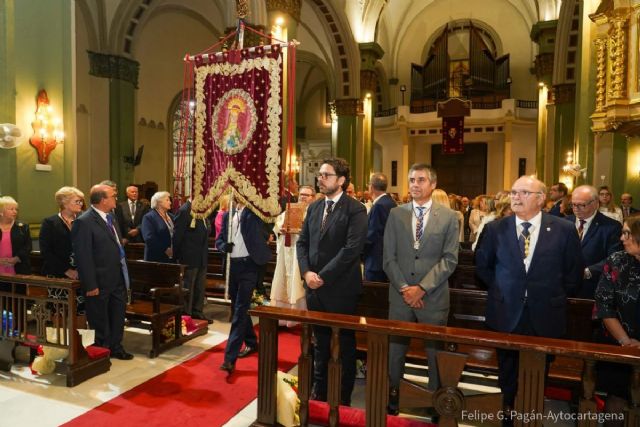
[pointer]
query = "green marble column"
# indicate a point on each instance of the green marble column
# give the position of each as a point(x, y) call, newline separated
point(123, 82)
point(345, 137)
point(370, 53)
point(7, 94)
point(541, 33)
point(564, 131)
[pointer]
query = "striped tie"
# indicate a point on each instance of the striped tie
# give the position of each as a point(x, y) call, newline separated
point(327, 212)
point(419, 222)
point(581, 228)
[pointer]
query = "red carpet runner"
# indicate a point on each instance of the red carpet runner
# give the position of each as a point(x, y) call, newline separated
point(194, 393)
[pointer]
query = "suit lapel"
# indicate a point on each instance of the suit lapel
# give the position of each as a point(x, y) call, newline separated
point(512, 240)
point(432, 224)
point(591, 231)
point(407, 217)
point(104, 225)
point(543, 239)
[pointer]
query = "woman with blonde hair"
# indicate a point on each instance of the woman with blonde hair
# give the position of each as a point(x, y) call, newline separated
point(15, 240)
point(55, 235)
point(482, 206)
point(608, 206)
point(501, 209)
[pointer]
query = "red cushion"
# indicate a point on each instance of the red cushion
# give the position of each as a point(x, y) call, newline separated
point(96, 352)
point(355, 417)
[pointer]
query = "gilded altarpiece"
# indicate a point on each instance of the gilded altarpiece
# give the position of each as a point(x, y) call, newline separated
point(617, 59)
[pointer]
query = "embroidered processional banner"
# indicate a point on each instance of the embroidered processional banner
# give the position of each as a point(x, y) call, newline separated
point(238, 129)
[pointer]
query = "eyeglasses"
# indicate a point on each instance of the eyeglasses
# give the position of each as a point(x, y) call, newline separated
point(78, 202)
point(626, 233)
point(581, 205)
point(523, 193)
point(325, 175)
point(603, 194)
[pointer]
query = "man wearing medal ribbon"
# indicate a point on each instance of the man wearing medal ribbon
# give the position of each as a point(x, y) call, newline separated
point(420, 253)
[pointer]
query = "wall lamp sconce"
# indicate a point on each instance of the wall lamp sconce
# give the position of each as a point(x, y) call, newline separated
point(403, 89)
point(47, 129)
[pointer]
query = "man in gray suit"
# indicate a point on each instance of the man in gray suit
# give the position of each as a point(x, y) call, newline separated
point(420, 253)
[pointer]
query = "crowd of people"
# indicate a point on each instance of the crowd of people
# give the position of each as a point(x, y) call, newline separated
point(533, 249)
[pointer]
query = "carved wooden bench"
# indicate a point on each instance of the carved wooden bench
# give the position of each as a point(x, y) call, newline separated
point(28, 312)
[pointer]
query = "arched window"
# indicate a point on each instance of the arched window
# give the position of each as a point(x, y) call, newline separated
point(182, 121)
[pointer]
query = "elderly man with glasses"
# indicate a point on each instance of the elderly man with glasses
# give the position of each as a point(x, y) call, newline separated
point(599, 236)
point(531, 263)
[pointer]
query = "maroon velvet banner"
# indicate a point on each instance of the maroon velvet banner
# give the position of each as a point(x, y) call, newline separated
point(238, 129)
point(452, 135)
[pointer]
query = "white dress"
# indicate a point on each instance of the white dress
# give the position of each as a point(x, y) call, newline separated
point(287, 288)
point(617, 215)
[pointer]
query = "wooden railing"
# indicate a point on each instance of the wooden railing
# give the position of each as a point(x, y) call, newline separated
point(32, 311)
point(449, 401)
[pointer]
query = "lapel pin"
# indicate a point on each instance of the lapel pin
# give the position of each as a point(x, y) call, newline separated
point(548, 228)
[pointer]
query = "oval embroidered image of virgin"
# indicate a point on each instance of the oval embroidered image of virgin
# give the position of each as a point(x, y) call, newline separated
point(234, 121)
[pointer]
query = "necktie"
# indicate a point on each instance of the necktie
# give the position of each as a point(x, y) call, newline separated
point(132, 208)
point(419, 222)
point(626, 212)
point(581, 228)
point(524, 239)
point(326, 214)
point(123, 262)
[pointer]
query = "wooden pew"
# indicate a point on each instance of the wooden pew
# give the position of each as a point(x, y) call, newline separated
point(25, 297)
point(449, 400)
point(468, 311)
point(157, 297)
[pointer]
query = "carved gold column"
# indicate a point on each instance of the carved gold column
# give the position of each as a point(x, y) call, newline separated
point(601, 73)
point(617, 57)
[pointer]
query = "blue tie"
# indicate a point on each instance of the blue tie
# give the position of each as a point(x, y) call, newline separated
point(123, 259)
point(523, 240)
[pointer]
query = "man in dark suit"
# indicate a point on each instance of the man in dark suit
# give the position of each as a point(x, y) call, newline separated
point(329, 249)
point(626, 204)
point(129, 215)
point(421, 244)
point(382, 205)
point(530, 261)
point(558, 194)
point(102, 270)
point(466, 212)
point(599, 235)
point(249, 253)
point(191, 247)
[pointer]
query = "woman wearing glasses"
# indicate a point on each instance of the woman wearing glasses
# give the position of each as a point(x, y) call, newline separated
point(607, 205)
point(55, 235)
point(617, 304)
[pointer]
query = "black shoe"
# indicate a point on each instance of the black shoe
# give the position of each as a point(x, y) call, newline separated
point(122, 355)
point(246, 351)
point(394, 401)
point(228, 366)
point(202, 316)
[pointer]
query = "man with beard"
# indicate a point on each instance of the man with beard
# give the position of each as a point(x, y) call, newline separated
point(329, 248)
